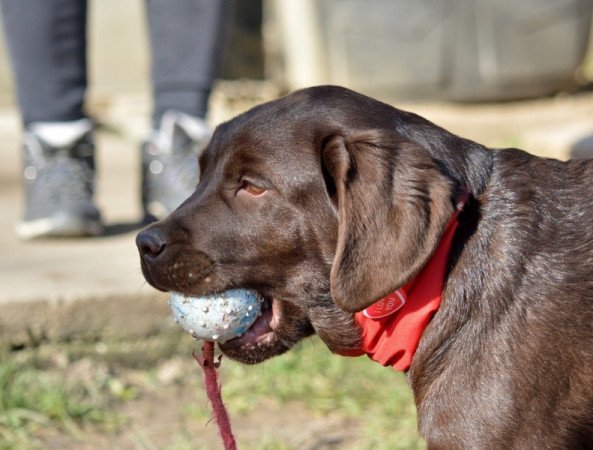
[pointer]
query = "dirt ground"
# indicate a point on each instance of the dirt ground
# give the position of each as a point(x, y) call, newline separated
point(161, 417)
point(150, 395)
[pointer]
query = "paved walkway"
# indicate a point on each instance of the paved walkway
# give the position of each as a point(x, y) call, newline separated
point(93, 288)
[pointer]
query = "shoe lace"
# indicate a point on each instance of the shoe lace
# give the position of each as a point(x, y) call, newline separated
point(63, 178)
point(79, 178)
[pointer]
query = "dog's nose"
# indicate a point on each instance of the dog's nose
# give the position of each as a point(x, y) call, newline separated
point(151, 243)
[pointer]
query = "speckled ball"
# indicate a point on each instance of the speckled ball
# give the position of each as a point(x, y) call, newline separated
point(216, 317)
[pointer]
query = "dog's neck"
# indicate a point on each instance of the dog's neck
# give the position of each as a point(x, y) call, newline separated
point(392, 326)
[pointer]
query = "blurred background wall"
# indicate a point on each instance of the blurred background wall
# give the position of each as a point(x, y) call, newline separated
point(395, 49)
point(468, 50)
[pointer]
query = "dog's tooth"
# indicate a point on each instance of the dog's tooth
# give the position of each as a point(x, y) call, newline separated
point(215, 337)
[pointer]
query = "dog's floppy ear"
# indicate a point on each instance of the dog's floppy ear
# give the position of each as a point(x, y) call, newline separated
point(393, 205)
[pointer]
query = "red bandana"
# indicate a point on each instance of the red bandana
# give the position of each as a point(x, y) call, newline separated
point(392, 326)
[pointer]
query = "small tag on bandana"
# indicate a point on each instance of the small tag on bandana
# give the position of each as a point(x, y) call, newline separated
point(386, 306)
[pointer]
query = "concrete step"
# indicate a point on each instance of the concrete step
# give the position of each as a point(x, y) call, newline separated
point(84, 288)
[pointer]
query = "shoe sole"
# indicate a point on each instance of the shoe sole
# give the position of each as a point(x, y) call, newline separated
point(58, 226)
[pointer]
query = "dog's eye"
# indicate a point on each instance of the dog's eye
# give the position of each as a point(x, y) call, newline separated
point(252, 188)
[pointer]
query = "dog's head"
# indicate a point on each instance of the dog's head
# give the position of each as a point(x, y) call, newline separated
point(319, 201)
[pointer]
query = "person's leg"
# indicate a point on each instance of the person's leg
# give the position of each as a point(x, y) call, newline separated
point(186, 45)
point(47, 44)
point(186, 38)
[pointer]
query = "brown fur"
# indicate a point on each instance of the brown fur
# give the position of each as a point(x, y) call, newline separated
point(357, 196)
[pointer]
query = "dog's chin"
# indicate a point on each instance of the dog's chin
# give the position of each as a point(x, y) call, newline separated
point(273, 333)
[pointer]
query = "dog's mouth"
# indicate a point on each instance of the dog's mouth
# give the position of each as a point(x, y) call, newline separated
point(280, 325)
point(261, 333)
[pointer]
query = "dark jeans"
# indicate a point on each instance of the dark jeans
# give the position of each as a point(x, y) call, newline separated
point(47, 44)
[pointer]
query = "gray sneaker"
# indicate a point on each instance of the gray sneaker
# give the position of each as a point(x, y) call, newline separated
point(59, 185)
point(170, 170)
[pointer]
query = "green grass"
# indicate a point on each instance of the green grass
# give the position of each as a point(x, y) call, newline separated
point(86, 389)
point(31, 399)
point(377, 397)
point(35, 396)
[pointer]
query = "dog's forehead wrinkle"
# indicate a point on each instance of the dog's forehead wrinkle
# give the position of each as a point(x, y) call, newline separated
point(285, 169)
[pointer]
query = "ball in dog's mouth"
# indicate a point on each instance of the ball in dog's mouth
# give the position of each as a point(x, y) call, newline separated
point(238, 316)
point(217, 317)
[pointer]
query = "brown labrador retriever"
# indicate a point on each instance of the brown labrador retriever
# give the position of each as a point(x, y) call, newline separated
point(326, 200)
